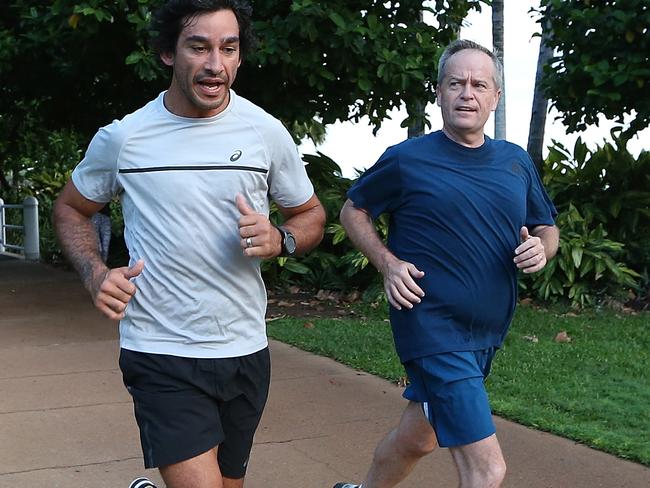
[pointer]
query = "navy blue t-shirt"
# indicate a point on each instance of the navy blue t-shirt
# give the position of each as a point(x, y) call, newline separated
point(455, 213)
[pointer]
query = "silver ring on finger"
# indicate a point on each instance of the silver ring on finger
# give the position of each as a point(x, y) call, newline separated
point(249, 242)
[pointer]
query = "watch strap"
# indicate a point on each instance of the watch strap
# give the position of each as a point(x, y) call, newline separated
point(286, 235)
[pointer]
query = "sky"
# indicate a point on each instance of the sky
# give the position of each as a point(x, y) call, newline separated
point(353, 146)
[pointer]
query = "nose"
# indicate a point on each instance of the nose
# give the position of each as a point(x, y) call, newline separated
point(214, 62)
point(467, 92)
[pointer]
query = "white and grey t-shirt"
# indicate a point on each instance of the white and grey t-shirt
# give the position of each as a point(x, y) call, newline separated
point(177, 178)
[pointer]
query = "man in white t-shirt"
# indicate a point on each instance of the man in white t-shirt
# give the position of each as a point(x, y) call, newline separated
point(194, 170)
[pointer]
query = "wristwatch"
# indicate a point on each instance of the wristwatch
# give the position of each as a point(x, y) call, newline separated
point(288, 242)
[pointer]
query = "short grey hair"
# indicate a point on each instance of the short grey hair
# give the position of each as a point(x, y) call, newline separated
point(462, 44)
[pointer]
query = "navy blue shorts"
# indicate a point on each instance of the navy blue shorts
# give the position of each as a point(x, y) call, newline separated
point(451, 388)
point(187, 406)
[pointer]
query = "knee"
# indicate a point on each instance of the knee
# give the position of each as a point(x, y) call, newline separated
point(417, 446)
point(495, 474)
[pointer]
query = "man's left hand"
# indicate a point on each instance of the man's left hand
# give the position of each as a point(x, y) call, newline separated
point(259, 238)
point(530, 255)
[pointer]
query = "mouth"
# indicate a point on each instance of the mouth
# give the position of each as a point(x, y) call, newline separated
point(211, 86)
point(465, 108)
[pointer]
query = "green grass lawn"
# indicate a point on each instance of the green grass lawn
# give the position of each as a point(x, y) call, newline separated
point(594, 389)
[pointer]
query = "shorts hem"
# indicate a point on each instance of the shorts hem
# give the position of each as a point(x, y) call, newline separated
point(235, 475)
point(451, 443)
point(180, 457)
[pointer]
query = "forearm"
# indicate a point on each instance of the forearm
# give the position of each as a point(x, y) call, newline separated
point(362, 232)
point(307, 227)
point(550, 237)
point(78, 241)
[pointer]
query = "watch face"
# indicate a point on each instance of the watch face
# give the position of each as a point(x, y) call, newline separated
point(290, 243)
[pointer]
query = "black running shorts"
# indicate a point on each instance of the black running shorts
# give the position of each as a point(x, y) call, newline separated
point(186, 406)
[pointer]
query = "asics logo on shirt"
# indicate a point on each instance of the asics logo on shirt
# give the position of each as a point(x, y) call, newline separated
point(236, 155)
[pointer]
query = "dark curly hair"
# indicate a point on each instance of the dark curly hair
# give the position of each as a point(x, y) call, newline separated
point(168, 22)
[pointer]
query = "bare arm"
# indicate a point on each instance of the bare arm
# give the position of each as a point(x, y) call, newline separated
point(110, 290)
point(537, 247)
point(306, 222)
point(399, 276)
point(76, 234)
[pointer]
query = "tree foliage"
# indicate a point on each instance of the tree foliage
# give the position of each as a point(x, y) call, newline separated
point(343, 59)
point(81, 63)
point(70, 66)
point(64, 62)
point(602, 63)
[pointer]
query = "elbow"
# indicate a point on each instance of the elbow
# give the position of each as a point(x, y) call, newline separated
point(351, 216)
point(58, 211)
point(344, 214)
point(62, 206)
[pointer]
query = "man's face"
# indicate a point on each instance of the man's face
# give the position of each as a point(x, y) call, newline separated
point(467, 95)
point(205, 65)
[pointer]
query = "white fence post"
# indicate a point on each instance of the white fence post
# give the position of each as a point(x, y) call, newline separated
point(30, 229)
point(3, 234)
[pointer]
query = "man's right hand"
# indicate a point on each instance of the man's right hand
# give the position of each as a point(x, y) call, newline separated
point(399, 276)
point(112, 289)
point(400, 286)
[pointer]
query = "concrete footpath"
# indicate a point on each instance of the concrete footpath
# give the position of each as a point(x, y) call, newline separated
point(67, 421)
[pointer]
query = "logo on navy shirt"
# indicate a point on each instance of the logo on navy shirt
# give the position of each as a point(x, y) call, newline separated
point(236, 155)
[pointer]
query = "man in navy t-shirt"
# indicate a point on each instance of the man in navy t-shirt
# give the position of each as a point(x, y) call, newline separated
point(466, 212)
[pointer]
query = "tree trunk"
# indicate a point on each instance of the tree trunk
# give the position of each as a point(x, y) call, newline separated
point(540, 101)
point(497, 41)
point(416, 127)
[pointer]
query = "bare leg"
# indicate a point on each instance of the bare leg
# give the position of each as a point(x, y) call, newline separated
point(397, 454)
point(233, 483)
point(480, 464)
point(201, 471)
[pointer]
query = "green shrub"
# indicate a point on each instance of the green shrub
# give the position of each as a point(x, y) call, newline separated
point(590, 262)
point(585, 266)
point(607, 186)
point(41, 170)
point(602, 197)
point(335, 264)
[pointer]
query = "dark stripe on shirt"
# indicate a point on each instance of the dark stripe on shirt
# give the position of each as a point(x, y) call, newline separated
point(153, 169)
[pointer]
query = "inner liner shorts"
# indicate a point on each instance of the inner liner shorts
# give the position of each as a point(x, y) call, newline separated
point(450, 386)
point(187, 406)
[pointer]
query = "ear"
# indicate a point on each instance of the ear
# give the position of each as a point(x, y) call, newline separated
point(167, 58)
point(497, 96)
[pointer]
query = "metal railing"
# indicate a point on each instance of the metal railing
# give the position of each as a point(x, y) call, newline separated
point(30, 248)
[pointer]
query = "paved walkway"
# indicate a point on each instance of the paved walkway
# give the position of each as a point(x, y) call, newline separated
point(66, 420)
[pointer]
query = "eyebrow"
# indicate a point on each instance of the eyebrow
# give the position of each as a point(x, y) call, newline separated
point(463, 78)
point(224, 40)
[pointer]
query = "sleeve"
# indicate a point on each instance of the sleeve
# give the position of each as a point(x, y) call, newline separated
point(96, 175)
point(289, 184)
point(379, 189)
point(539, 207)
